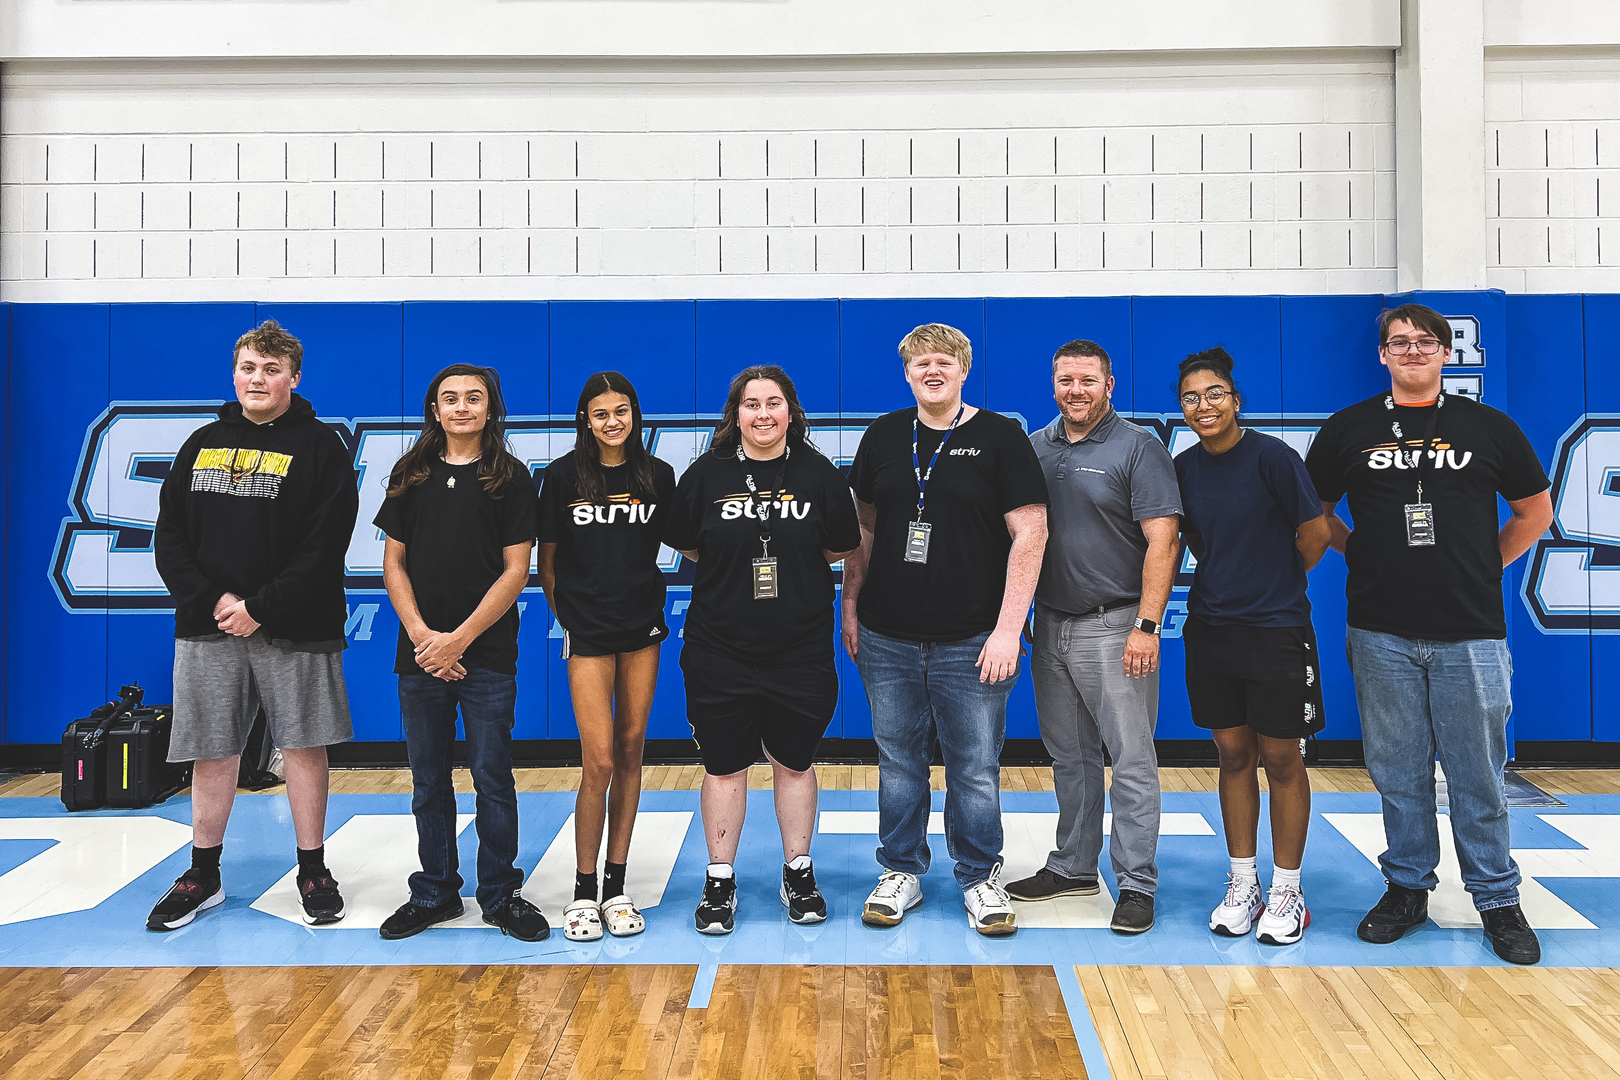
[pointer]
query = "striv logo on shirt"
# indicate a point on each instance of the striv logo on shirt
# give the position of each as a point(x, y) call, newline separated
point(1445, 456)
point(785, 505)
point(619, 508)
point(961, 450)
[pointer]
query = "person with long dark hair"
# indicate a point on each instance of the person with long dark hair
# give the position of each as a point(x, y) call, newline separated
point(603, 509)
point(459, 518)
point(1251, 517)
point(765, 516)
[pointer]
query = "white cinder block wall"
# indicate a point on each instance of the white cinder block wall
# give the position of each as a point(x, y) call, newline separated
point(851, 179)
point(702, 165)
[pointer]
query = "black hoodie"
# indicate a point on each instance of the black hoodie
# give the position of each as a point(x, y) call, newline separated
point(264, 511)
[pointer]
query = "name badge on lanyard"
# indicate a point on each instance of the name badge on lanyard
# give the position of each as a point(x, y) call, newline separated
point(1419, 515)
point(766, 582)
point(920, 532)
point(917, 533)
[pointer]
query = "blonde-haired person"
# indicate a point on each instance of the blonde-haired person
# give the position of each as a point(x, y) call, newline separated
point(953, 524)
point(253, 521)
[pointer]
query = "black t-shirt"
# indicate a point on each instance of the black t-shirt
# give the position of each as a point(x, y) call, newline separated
point(608, 583)
point(987, 470)
point(455, 535)
point(810, 511)
point(1451, 591)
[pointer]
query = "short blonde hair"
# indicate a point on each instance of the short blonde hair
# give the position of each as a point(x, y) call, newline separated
point(938, 338)
point(269, 339)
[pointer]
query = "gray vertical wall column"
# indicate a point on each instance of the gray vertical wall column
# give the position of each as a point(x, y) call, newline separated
point(1440, 145)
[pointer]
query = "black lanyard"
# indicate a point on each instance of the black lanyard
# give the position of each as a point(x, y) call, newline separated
point(916, 462)
point(761, 508)
point(1429, 438)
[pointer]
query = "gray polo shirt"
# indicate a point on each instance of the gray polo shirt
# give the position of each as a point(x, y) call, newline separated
point(1101, 488)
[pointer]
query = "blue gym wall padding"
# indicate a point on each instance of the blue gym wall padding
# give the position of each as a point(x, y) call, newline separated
point(79, 371)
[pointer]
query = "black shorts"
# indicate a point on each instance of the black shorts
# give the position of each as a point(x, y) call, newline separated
point(628, 642)
point(1268, 677)
point(733, 708)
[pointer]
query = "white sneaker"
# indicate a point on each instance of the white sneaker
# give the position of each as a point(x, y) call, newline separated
point(988, 906)
point(1236, 913)
point(1285, 918)
point(897, 893)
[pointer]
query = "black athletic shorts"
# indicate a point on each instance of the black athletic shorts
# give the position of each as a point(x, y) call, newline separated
point(1268, 677)
point(733, 708)
point(628, 642)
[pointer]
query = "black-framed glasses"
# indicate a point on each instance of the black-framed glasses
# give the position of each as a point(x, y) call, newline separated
point(1425, 347)
point(1214, 395)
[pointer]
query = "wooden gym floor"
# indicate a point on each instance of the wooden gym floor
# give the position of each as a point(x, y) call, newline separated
point(545, 1021)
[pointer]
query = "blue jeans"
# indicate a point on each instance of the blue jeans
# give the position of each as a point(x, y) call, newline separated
point(488, 701)
point(919, 691)
point(1419, 698)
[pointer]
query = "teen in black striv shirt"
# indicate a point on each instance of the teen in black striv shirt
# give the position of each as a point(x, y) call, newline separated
point(460, 523)
point(765, 516)
point(603, 510)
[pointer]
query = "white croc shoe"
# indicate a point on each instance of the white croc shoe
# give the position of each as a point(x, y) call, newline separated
point(582, 921)
point(622, 917)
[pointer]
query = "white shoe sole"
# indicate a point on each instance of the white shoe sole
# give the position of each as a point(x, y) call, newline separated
point(185, 920)
point(1235, 931)
point(716, 928)
point(808, 919)
point(327, 921)
point(995, 929)
point(877, 918)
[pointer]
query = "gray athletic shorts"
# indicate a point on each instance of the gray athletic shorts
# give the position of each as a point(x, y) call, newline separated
point(220, 684)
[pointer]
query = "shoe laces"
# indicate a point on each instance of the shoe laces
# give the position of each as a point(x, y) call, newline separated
point(322, 880)
point(1284, 899)
point(990, 891)
point(714, 890)
point(1238, 891)
point(800, 883)
point(517, 905)
point(890, 885)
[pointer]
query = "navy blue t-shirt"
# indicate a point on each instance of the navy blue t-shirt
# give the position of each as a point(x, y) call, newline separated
point(1246, 505)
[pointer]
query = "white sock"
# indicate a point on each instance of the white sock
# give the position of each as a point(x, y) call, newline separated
point(1283, 879)
point(720, 870)
point(1246, 870)
point(802, 862)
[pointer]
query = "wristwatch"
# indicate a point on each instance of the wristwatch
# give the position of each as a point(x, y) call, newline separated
point(1147, 626)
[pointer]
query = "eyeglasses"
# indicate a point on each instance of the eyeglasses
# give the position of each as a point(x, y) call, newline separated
point(1426, 347)
point(1214, 395)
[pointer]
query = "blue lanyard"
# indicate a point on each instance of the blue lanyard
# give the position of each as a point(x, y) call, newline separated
point(916, 463)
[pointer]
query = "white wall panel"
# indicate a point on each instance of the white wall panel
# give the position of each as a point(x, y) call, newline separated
point(1553, 170)
point(924, 178)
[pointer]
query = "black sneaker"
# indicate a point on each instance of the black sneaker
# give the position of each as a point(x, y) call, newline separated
point(519, 918)
point(1046, 884)
point(1510, 935)
point(193, 891)
point(323, 904)
point(411, 919)
point(1133, 914)
point(800, 895)
point(718, 907)
point(1399, 910)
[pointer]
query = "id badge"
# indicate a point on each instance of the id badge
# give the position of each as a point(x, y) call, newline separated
point(765, 579)
point(917, 536)
point(1419, 525)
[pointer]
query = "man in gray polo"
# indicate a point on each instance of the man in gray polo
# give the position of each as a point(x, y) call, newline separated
point(1110, 558)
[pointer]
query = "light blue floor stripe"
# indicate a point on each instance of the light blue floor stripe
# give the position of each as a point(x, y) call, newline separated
point(1085, 1032)
point(703, 985)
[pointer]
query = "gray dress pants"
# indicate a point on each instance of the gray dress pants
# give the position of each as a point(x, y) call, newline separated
point(1085, 702)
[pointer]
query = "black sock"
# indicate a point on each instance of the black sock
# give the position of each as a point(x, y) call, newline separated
point(612, 880)
point(585, 886)
point(206, 859)
point(312, 861)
